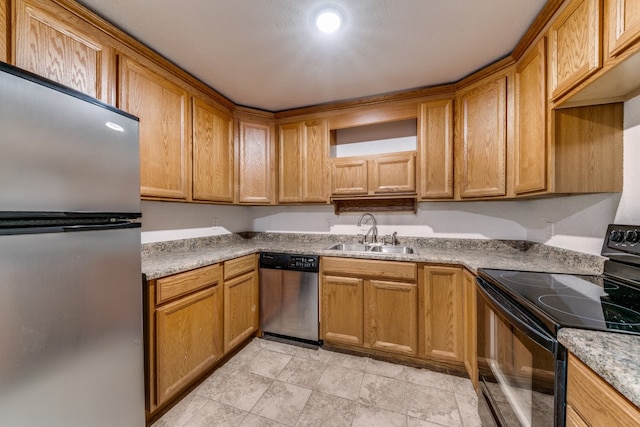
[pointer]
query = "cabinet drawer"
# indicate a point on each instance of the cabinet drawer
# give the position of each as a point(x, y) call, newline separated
point(370, 268)
point(238, 266)
point(597, 402)
point(174, 286)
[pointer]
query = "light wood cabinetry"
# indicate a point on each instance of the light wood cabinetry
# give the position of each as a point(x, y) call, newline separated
point(213, 160)
point(256, 163)
point(164, 132)
point(384, 174)
point(470, 327)
point(240, 300)
point(185, 335)
point(370, 304)
point(483, 137)
point(574, 45)
point(623, 24)
point(530, 147)
point(303, 156)
point(4, 31)
point(442, 312)
point(435, 149)
point(53, 43)
point(591, 401)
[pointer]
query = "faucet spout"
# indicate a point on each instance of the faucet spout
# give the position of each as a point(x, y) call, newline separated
point(373, 230)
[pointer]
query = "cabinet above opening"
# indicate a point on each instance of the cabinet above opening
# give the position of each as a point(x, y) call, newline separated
point(380, 138)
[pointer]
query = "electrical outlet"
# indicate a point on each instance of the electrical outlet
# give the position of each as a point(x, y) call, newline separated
point(214, 222)
point(549, 231)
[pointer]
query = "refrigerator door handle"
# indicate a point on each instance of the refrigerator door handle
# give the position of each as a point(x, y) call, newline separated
point(95, 227)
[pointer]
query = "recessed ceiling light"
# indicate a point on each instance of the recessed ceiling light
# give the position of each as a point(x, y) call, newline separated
point(328, 19)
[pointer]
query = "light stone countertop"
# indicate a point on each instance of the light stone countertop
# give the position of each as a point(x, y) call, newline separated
point(613, 356)
point(166, 258)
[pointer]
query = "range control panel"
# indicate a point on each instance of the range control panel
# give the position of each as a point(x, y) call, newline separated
point(625, 238)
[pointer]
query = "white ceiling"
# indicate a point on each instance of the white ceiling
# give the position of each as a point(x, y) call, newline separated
point(266, 54)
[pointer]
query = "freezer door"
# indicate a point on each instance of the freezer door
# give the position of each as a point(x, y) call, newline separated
point(71, 341)
point(64, 153)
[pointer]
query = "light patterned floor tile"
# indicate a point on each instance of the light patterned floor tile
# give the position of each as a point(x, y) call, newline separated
point(243, 390)
point(386, 369)
point(341, 382)
point(327, 410)
point(282, 402)
point(253, 420)
point(268, 363)
point(430, 379)
point(432, 404)
point(182, 412)
point(384, 393)
point(368, 416)
point(214, 414)
point(302, 372)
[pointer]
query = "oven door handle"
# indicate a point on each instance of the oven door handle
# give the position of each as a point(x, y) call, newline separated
point(516, 316)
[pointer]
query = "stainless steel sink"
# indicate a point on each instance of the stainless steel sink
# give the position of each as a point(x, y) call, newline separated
point(392, 249)
point(378, 248)
point(358, 247)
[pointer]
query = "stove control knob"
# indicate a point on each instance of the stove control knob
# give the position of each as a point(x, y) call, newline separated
point(616, 236)
point(632, 236)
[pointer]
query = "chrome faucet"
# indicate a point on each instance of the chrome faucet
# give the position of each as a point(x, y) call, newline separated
point(373, 230)
point(394, 238)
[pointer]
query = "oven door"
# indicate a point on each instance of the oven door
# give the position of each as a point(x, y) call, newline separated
point(522, 368)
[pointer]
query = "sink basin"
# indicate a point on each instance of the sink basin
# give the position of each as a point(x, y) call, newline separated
point(360, 247)
point(392, 249)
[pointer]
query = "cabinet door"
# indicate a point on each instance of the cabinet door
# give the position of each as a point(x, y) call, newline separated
point(240, 309)
point(443, 314)
point(342, 310)
point(315, 154)
point(290, 167)
point(57, 45)
point(435, 147)
point(212, 153)
point(530, 146)
point(391, 316)
point(349, 176)
point(574, 44)
point(161, 106)
point(482, 142)
point(4, 31)
point(188, 340)
point(623, 24)
point(256, 169)
point(470, 327)
point(394, 173)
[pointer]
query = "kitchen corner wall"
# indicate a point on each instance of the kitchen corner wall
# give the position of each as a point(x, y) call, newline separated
point(574, 222)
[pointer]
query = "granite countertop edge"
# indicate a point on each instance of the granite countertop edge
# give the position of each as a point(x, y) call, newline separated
point(611, 355)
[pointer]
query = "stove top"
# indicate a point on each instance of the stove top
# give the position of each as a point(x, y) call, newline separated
point(565, 300)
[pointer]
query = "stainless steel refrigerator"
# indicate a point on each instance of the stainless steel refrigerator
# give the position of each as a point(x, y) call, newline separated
point(71, 340)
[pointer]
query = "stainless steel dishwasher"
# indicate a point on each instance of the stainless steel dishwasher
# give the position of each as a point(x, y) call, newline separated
point(289, 296)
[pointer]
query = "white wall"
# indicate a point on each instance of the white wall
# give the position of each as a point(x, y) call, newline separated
point(574, 222)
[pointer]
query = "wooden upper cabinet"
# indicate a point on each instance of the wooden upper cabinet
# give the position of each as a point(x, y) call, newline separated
point(574, 45)
point(393, 173)
point(4, 31)
point(349, 176)
point(303, 156)
point(162, 107)
point(435, 149)
point(530, 147)
point(380, 174)
point(212, 153)
point(256, 169)
point(623, 24)
point(55, 44)
point(481, 138)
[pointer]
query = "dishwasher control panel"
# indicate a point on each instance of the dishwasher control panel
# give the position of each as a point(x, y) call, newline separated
point(289, 261)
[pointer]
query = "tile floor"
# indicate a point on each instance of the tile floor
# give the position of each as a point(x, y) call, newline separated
point(273, 384)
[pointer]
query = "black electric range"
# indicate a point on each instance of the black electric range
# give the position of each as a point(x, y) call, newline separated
point(610, 301)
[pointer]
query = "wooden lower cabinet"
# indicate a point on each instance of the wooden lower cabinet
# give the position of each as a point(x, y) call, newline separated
point(184, 335)
point(591, 401)
point(470, 327)
point(342, 310)
point(370, 304)
point(442, 314)
point(240, 300)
